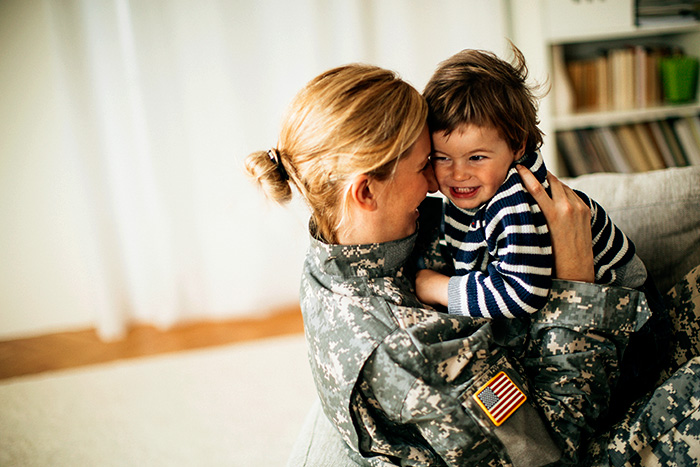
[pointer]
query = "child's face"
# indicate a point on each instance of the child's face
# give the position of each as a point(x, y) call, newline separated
point(471, 164)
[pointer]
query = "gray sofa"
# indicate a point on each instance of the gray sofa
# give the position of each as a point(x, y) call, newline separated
point(659, 211)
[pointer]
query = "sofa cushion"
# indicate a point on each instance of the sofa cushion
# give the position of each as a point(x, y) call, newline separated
point(659, 211)
point(320, 445)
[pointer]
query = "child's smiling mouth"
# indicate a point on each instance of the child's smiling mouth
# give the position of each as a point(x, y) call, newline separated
point(464, 192)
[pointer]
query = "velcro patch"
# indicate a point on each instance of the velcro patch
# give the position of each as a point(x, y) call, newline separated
point(499, 398)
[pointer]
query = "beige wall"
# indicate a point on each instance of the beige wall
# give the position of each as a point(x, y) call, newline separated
point(42, 268)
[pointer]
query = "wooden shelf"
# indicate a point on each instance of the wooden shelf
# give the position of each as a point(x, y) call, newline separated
point(627, 33)
point(620, 117)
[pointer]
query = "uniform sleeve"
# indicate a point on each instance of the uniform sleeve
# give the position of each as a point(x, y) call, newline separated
point(419, 399)
point(519, 259)
point(572, 361)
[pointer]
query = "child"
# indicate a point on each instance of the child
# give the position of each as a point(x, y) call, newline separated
point(483, 123)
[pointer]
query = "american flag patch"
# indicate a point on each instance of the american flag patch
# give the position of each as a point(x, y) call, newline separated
point(499, 398)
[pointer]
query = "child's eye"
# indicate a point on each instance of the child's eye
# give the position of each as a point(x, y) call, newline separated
point(476, 158)
point(435, 158)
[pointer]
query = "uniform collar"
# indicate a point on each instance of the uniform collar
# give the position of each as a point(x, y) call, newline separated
point(370, 260)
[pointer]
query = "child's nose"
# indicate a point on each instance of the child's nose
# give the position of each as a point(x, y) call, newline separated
point(460, 172)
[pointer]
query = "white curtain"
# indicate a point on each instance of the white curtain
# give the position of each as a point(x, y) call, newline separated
point(161, 100)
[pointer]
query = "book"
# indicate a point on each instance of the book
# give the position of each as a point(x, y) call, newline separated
point(571, 153)
point(651, 152)
point(590, 152)
point(620, 86)
point(673, 143)
point(626, 83)
point(662, 145)
point(667, 12)
point(686, 140)
point(603, 80)
point(655, 96)
point(601, 150)
point(619, 78)
point(632, 148)
point(641, 78)
point(690, 126)
point(578, 72)
point(614, 150)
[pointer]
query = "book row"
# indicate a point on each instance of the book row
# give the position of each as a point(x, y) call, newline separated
point(618, 79)
point(636, 147)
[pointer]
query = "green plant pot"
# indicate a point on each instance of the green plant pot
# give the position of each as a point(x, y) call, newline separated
point(680, 78)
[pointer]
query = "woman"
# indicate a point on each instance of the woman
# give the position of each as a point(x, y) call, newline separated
point(402, 383)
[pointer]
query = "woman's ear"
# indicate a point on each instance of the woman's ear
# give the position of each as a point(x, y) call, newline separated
point(362, 192)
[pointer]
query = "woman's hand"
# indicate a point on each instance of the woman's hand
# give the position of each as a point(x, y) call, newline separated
point(569, 222)
point(431, 287)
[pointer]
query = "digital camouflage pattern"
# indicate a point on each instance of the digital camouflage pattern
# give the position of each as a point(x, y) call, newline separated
point(683, 303)
point(660, 430)
point(663, 429)
point(574, 355)
point(396, 378)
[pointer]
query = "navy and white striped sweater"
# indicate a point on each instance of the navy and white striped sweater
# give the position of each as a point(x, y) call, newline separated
point(502, 250)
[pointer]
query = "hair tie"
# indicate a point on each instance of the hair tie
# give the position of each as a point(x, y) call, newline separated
point(274, 156)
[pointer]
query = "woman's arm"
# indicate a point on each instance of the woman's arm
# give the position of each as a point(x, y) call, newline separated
point(569, 221)
point(426, 376)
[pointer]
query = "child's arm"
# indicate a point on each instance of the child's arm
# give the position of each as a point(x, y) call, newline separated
point(509, 289)
point(431, 287)
point(614, 254)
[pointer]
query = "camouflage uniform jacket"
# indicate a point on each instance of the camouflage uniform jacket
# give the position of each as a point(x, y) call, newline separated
point(398, 379)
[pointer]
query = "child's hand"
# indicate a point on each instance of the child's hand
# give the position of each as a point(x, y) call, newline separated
point(431, 287)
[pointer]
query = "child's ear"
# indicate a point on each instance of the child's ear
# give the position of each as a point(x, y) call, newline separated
point(520, 153)
point(362, 192)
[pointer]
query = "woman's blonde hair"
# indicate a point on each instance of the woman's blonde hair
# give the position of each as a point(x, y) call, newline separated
point(351, 120)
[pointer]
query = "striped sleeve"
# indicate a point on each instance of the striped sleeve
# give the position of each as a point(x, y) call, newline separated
point(611, 247)
point(507, 274)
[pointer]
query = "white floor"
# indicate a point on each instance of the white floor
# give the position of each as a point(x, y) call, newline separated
point(238, 405)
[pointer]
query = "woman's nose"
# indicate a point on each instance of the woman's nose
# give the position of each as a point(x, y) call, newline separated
point(432, 181)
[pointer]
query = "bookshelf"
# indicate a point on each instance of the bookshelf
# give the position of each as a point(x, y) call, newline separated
point(594, 118)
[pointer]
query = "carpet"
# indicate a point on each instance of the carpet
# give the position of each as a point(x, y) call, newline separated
point(237, 405)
